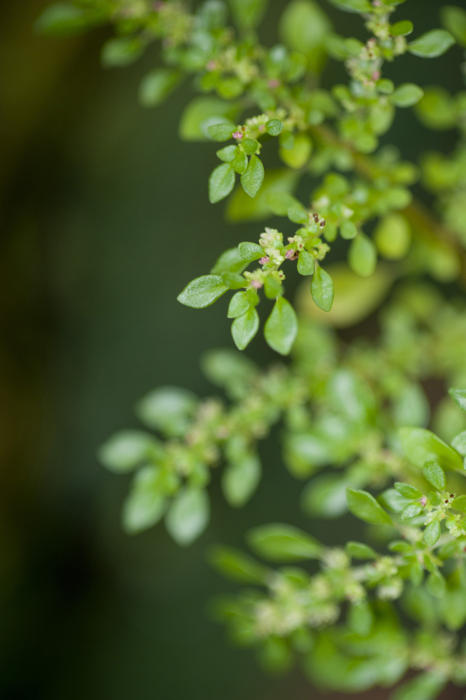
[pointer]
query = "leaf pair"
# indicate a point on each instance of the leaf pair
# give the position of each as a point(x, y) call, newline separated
point(280, 328)
point(222, 179)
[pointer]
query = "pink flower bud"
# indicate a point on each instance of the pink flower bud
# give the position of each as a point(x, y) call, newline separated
point(423, 501)
point(290, 254)
point(257, 284)
point(238, 135)
point(264, 260)
point(376, 75)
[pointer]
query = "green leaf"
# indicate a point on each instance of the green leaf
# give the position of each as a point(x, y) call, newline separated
point(188, 515)
point(436, 584)
point(355, 297)
point(303, 28)
point(273, 127)
point(358, 550)
point(202, 291)
point(392, 499)
point(283, 203)
point(432, 533)
point(407, 490)
point(325, 496)
point(359, 6)
point(421, 446)
point(124, 450)
point(237, 566)
point(410, 406)
point(121, 51)
point(432, 44)
point(221, 182)
point(229, 369)
point(435, 475)
point(281, 327)
point(362, 256)
point(237, 259)
point(322, 288)
point(227, 154)
point(229, 87)
point(221, 130)
point(364, 506)
point(347, 663)
point(459, 395)
point(240, 162)
point(360, 618)
point(250, 146)
point(385, 86)
point(244, 328)
point(248, 13)
point(64, 18)
point(459, 503)
point(459, 443)
point(283, 543)
point(168, 409)
point(241, 478)
point(252, 179)
point(306, 263)
point(294, 211)
point(239, 304)
point(425, 686)
point(411, 511)
point(276, 185)
point(348, 230)
point(275, 655)
point(350, 395)
point(297, 154)
point(201, 113)
point(454, 19)
point(305, 452)
point(393, 236)
point(145, 503)
point(157, 85)
point(250, 251)
point(402, 28)
point(407, 95)
point(437, 109)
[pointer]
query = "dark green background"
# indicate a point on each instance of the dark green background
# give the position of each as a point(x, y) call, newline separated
point(104, 219)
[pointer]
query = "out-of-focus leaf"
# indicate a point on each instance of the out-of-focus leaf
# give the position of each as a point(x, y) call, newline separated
point(454, 19)
point(421, 446)
point(364, 506)
point(188, 515)
point(201, 113)
point(355, 297)
point(64, 18)
point(237, 566)
point(157, 85)
point(303, 28)
point(283, 543)
point(431, 44)
point(276, 182)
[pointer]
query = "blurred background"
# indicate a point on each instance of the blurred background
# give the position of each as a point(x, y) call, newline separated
point(104, 219)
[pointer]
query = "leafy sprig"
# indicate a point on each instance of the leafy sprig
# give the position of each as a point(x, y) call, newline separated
point(277, 82)
point(357, 415)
